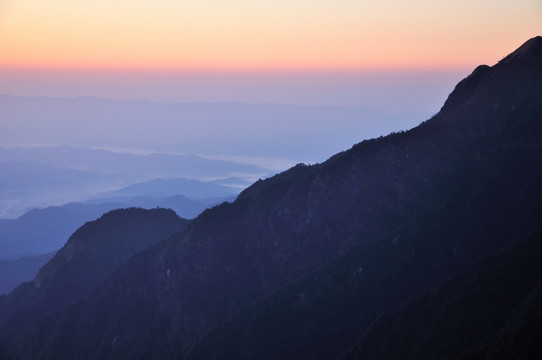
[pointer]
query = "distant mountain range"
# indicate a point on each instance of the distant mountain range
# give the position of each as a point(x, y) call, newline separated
point(40, 177)
point(26, 184)
point(271, 130)
point(41, 231)
point(194, 189)
point(45, 230)
point(432, 235)
point(105, 162)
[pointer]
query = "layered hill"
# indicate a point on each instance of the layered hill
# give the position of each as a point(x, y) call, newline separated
point(301, 264)
point(45, 230)
point(40, 231)
point(89, 255)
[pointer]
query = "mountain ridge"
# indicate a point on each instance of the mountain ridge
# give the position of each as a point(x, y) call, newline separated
point(90, 254)
point(45, 230)
point(368, 229)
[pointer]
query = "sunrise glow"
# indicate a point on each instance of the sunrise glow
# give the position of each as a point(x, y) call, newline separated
point(261, 34)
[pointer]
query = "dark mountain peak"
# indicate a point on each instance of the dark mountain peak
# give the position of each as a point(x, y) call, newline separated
point(466, 88)
point(90, 254)
point(512, 81)
point(109, 240)
point(531, 49)
point(509, 84)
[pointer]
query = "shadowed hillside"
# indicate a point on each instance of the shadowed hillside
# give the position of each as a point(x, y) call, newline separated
point(90, 254)
point(491, 311)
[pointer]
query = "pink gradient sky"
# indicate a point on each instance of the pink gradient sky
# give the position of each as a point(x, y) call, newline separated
point(344, 52)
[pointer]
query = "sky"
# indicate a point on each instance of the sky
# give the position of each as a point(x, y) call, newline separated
point(404, 56)
point(400, 58)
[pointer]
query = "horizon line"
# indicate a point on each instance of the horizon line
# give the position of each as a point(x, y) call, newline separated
point(170, 69)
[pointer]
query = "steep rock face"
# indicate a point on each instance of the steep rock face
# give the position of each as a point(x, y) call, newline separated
point(89, 255)
point(332, 245)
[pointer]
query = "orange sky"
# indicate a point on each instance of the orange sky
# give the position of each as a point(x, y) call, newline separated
point(278, 34)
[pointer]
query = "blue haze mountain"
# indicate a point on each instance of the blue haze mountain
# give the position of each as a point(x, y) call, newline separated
point(40, 231)
point(40, 177)
point(301, 133)
point(109, 162)
point(45, 230)
point(194, 189)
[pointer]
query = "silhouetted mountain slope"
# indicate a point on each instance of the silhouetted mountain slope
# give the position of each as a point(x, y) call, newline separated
point(324, 311)
point(90, 254)
point(14, 272)
point(491, 311)
point(482, 166)
point(45, 230)
point(302, 263)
